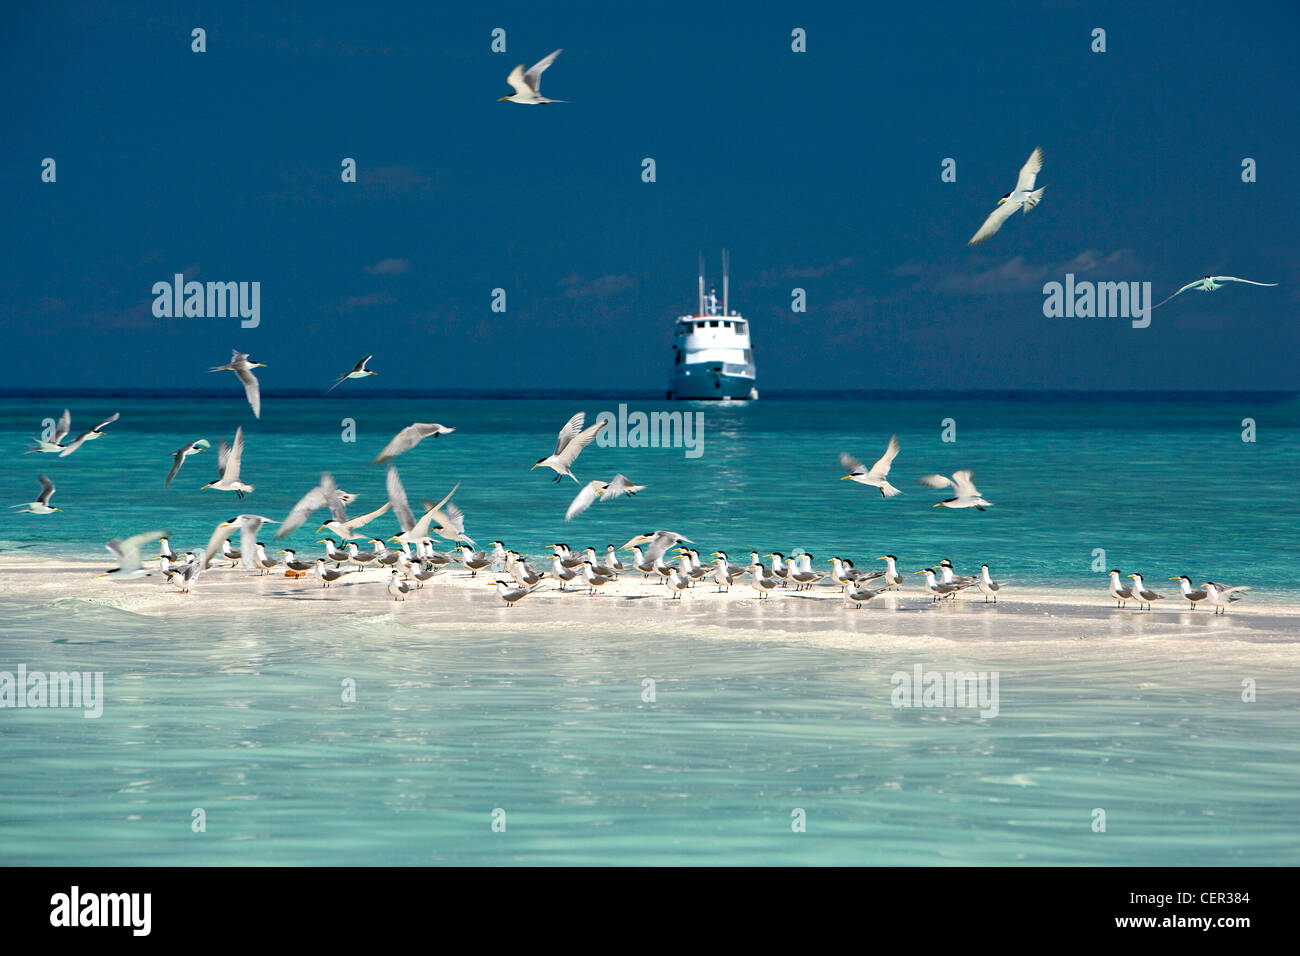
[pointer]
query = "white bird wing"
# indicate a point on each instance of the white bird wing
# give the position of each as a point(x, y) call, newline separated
point(881, 468)
point(579, 442)
point(935, 481)
point(572, 428)
point(116, 415)
point(47, 489)
point(251, 389)
point(178, 458)
point(230, 468)
point(963, 483)
point(360, 522)
point(584, 499)
point(324, 495)
point(249, 526)
point(1029, 171)
point(128, 551)
point(397, 498)
point(533, 78)
point(619, 486)
point(993, 223)
point(75, 444)
point(63, 427)
point(851, 464)
point(452, 524)
point(1235, 279)
point(1191, 285)
point(219, 534)
point(409, 437)
point(516, 80)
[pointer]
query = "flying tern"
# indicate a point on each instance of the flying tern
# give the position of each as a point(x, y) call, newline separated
point(966, 495)
point(1209, 284)
point(573, 438)
point(41, 506)
point(96, 432)
point(243, 369)
point(1024, 197)
point(527, 86)
point(594, 491)
point(409, 437)
point(229, 458)
point(357, 371)
point(55, 444)
point(877, 475)
point(180, 454)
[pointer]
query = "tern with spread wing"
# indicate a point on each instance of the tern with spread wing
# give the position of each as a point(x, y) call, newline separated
point(1024, 197)
point(180, 454)
point(229, 458)
point(966, 495)
point(594, 491)
point(243, 369)
point(55, 444)
point(96, 432)
point(324, 495)
point(357, 371)
point(879, 472)
point(1209, 284)
point(128, 554)
point(41, 506)
point(409, 437)
point(249, 526)
point(573, 438)
point(527, 85)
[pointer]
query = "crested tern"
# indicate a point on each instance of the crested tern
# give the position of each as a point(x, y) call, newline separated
point(1190, 594)
point(966, 495)
point(249, 526)
point(1024, 197)
point(594, 491)
point(398, 587)
point(511, 594)
point(1221, 595)
point(573, 438)
point(859, 594)
point(1142, 594)
point(127, 553)
point(878, 473)
point(96, 432)
point(229, 458)
point(41, 506)
point(988, 585)
point(55, 444)
point(1209, 284)
point(1122, 593)
point(180, 454)
point(409, 437)
point(243, 369)
point(357, 371)
point(527, 85)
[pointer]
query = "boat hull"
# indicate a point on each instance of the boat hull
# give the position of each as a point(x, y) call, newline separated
point(705, 381)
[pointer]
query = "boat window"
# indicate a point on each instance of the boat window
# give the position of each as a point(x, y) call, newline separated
point(740, 326)
point(713, 324)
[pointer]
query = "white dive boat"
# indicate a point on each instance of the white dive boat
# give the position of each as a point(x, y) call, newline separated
point(712, 358)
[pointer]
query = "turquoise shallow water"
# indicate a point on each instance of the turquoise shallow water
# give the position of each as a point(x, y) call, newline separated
point(245, 719)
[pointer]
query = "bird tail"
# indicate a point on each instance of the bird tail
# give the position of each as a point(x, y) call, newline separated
point(888, 491)
point(1032, 200)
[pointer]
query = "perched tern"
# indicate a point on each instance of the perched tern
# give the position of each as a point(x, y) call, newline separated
point(228, 462)
point(1190, 594)
point(1024, 197)
point(55, 444)
point(96, 432)
point(761, 582)
point(527, 86)
point(409, 437)
point(1142, 594)
point(1209, 284)
point(987, 585)
point(180, 454)
point(249, 526)
point(1122, 593)
point(183, 577)
point(966, 495)
point(243, 369)
point(876, 477)
point(656, 544)
point(357, 371)
point(859, 594)
point(328, 575)
point(41, 506)
point(1221, 595)
point(397, 586)
point(511, 594)
point(938, 589)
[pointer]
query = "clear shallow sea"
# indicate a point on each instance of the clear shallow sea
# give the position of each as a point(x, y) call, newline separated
point(245, 720)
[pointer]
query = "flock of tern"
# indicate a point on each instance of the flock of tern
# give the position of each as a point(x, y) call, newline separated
point(408, 558)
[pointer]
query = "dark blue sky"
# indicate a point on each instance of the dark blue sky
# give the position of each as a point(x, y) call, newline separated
point(819, 170)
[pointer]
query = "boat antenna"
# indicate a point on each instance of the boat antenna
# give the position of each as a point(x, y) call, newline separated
point(700, 309)
point(725, 270)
